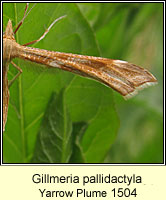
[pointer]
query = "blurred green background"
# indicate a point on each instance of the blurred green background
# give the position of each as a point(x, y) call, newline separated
point(95, 124)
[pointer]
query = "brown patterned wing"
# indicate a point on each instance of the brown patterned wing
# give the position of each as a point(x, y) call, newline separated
point(124, 77)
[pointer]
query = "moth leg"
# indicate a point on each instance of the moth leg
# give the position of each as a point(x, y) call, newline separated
point(25, 15)
point(45, 33)
point(17, 75)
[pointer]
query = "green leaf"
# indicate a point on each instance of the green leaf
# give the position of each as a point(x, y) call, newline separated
point(92, 135)
point(54, 141)
point(93, 103)
point(78, 131)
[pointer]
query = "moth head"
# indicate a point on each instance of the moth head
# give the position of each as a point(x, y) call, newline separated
point(9, 31)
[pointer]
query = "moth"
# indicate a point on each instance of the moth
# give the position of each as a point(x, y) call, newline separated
point(124, 77)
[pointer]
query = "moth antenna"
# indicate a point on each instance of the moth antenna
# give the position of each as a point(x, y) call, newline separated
point(25, 15)
point(45, 33)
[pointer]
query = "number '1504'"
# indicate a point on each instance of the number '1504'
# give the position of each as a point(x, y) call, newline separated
point(124, 192)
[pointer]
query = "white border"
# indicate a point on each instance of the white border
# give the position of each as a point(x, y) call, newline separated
point(163, 84)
